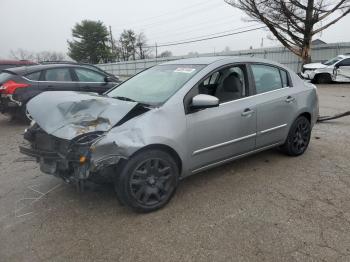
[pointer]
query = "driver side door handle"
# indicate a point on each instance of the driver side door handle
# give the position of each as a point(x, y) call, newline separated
point(289, 99)
point(247, 112)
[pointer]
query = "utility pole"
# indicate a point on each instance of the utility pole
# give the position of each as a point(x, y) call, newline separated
point(156, 51)
point(111, 39)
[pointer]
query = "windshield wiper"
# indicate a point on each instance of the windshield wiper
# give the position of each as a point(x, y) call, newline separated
point(123, 98)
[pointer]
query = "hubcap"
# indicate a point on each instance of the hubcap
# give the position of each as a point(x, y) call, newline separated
point(152, 182)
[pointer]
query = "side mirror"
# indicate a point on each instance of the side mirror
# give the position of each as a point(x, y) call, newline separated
point(108, 79)
point(204, 101)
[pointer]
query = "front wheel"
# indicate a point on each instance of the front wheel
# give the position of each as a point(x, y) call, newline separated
point(323, 79)
point(147, 181)
point(298, 138)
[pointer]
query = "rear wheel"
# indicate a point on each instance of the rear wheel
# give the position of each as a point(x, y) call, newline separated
point(298, 138)
point(147, 181)
point(323, 79)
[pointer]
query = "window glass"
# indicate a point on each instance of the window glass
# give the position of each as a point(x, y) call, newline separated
point(226, 84)
point(332, 61)
point(85, 75)
point(58, 75)
point(34, 76)
point(155, 85)
point(267, 78)
point(4, 77)
point(284, 76)
point(5, 66)
point(345, 62)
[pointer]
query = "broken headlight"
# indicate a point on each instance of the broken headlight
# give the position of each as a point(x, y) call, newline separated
point(87, 139)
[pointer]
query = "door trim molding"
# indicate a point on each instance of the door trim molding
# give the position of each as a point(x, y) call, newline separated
point(222, 144)
point(233, 158)
point(271, 129)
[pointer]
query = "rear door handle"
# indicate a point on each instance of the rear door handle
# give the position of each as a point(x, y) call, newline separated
point(289, 99)
point(247, 112)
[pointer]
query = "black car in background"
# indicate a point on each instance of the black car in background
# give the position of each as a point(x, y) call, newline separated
point(18, 85)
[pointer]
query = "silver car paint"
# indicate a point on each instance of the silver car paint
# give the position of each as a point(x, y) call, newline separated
point(211, 136)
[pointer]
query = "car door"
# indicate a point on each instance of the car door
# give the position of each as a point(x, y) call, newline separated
point(276, 104)
point(57, 79)
point(219, 133)
point(342, 71)
point(92, 81)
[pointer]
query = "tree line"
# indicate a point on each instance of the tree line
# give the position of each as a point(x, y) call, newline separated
point(94, 43)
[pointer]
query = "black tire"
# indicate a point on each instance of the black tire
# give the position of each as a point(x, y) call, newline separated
point(323, 79)
point(298, 137)
point(147, 181)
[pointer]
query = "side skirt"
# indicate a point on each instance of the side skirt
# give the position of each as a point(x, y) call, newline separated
point(219, 163)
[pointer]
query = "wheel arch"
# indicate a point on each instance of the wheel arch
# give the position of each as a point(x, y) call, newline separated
point(307, 115)
point(166, 149)
point(317, 75)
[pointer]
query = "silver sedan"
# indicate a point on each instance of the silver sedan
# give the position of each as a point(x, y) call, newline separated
point(168, 122)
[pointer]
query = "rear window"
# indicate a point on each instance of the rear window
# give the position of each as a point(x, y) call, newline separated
point(5, 66)
point(34, 76)
point(4, 76)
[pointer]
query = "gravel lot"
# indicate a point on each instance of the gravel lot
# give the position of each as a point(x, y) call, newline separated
point(267, 207)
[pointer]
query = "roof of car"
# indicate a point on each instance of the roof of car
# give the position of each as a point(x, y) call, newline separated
point(23, 70)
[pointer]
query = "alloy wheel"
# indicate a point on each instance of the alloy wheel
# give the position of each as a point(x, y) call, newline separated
point(152, 182)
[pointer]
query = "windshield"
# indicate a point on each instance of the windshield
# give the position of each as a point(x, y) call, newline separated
point(332, 61)
point(155, 85)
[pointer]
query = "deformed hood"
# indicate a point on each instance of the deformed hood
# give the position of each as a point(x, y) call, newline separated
point(69, 114)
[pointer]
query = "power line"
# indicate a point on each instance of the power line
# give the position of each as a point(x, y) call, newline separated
point(170, 13)
point(206, 38)
point(184, 14)
point(222, 32)
point(193, 28)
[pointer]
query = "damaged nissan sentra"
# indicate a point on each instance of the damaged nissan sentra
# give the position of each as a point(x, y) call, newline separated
point(168, 122)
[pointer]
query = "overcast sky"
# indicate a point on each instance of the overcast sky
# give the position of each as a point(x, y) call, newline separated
point(45, 25)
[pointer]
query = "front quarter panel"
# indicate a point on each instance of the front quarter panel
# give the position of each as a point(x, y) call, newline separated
point(160, 126)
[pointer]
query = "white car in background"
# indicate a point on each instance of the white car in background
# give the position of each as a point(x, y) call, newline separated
point(336, 69)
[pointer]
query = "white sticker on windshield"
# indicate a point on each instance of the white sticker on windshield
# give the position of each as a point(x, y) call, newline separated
point(184, 70)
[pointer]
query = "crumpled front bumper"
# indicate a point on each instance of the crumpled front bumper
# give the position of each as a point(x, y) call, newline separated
point(75, 167)
point(308, 74)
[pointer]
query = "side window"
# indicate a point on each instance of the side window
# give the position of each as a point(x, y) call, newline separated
point(227, 84)
point(85, 75)
point(284, 76)
point(58, 75)
point(34, 76)
point(267, 78)
point(345, 62)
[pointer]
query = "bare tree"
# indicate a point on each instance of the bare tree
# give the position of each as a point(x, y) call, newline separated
point(141, 46)
point(128, 41)
point(50, 56)
point(295, 22)
point(21, 54)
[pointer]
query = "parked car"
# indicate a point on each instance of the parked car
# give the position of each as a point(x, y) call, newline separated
point(171, 121)
point(4, 64)
point(336, 69)
point(91, 66)
point(19, 85)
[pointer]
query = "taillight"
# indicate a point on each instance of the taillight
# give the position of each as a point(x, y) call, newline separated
point(10, 87)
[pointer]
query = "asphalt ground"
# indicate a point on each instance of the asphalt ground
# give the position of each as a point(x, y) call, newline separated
point(266, 207)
